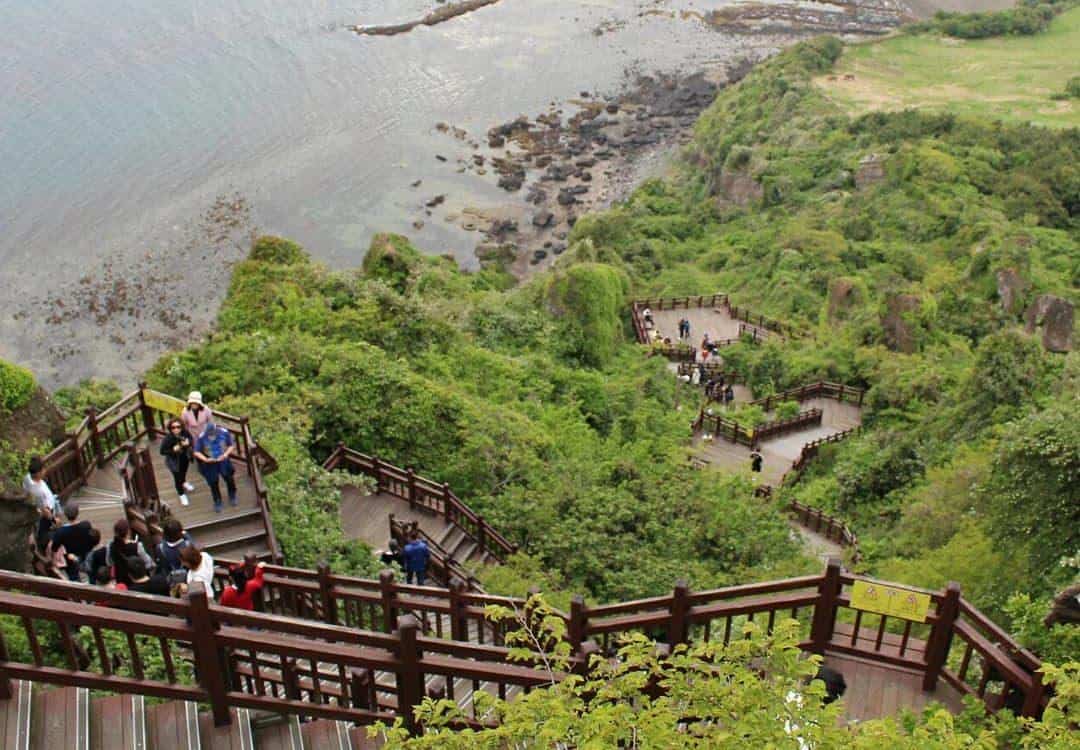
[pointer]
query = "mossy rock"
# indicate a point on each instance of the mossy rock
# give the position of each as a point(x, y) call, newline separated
point(590, 299)
point(393, 259)
point(269, 249)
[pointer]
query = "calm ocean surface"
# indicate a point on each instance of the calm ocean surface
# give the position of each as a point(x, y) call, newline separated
point(122, 120)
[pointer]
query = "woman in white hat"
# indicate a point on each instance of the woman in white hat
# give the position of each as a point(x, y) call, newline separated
point(196, 415)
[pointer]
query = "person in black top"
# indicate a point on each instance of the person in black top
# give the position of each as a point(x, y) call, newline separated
point(176, 447)
point(76, 538)
point(393, 554)
point(142, 581)
point(756, 460)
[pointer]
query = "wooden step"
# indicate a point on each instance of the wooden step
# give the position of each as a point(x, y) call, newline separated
point(283, 733)
point(118, 722)
point(234, 736)
point(465, 550)
point(449, 531)
point(326, 734)
point(15, 717)
point(173, 725)
point(361, 741)
point(60, 718)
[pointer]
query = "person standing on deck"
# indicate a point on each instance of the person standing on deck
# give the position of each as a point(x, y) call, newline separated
point(196, 416)
point(729, 395)
point(213, 449)
point(417, 556)
point(756, 459)
point(176, 448)
point(647, 315)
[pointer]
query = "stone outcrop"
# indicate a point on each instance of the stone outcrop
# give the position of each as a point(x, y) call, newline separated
point(1055, 316)
point(739, 188)
point(843, 295)
point(871, 171)
point(899, 333)
point(1010, 289)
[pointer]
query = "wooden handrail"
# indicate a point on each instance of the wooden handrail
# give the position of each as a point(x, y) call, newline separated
point(820, 389)
point(275, 638)
point(420, 492)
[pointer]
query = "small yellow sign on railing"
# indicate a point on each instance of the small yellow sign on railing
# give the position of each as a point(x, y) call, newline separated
point(164, 403)
point(871, 596)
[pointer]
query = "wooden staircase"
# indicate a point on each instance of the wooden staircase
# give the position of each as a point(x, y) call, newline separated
point(42, 718)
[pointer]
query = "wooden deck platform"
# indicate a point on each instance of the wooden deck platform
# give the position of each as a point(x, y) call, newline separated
point(234, 532)
point(875, 690)
point(715, 322)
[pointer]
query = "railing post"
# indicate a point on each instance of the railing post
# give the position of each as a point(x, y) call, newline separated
point(481, 533)
point(459, 625)
point(376, 469)
point(679, 624)
point(861, 394)
point(1033, 698)
point(412, 487)
point(937, 646)
point(95, 438)
point(326, 592)
point(290, 680)
point(208, 657)
point(362, 689)
point(821, 628)
point(5, 683)
point(410, 681)
point(446, 495)
point(147, 412)
point(73, 441)
point(575, 630)
point(386, 587)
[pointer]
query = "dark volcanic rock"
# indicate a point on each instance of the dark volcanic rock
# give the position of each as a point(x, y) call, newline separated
point(512, 182)
point(543, 219)
point(1055, 315)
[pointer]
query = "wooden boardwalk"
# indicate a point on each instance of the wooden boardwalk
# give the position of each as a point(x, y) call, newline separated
point(715, 322)
point(230, 534)
point(876, 690)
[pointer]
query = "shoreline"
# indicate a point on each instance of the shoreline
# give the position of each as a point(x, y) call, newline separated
point(581, 155)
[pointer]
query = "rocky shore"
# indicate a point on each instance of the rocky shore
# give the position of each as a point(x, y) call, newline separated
point(593, 150)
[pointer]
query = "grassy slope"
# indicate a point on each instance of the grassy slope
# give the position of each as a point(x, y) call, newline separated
point(1011, 78)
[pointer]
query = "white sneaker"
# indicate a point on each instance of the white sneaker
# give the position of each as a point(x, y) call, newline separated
point(189, 486)
point(184, 500)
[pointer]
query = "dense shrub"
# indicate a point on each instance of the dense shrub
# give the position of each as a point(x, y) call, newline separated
point(16, 385)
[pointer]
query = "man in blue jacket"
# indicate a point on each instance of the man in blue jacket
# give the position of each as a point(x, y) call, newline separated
point(416, 559)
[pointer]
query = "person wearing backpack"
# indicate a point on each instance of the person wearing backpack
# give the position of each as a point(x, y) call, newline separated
point(174, 541)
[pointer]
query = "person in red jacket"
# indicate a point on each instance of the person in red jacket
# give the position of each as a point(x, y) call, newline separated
point(241, 592)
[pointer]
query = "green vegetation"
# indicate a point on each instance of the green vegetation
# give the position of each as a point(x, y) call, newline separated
point(1028, 17)
point(1016, 79)
point(530, 403)
point(93, 392)
point(17, 384)
point(755, 692)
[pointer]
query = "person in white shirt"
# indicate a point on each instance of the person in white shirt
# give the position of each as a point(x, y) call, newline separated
point(200, 567)
point(38, 489)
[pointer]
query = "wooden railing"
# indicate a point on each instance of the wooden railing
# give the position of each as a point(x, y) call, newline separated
point(115, 433)
point(732, 431)
point(321, 639)
point(424, 493)
point(821, 389)
point(672, 303)
point(828, 526)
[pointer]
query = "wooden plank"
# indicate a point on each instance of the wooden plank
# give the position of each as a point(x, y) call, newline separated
point(234, 736)
point(15, 717)
point(282, 735)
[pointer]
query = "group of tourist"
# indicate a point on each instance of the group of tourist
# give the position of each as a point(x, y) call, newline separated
point(195, 435)
point(163, 563)
point(413, 558)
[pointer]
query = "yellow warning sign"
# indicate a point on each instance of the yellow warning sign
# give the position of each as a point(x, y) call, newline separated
point(871, 596)
point(164, 403)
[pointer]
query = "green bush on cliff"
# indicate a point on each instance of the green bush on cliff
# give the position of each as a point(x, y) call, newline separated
point(17, 384)
point(589, 300)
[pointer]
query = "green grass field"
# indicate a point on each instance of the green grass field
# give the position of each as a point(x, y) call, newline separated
point(1008, 78)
